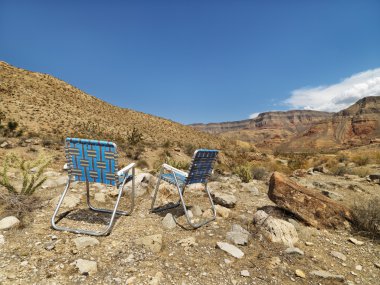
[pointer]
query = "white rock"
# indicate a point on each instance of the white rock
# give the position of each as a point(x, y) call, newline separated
point(355, 241)
point(275, 230)
point(49, 183)
point(238, 235)
point(168, 222)
point(327, 275)
point(83, 242)
point(222, 211)
point(231, 249)
point(294, 250)
point(9, 222)
point(86, 266)
point(338, 255)
point(359, 267)
point(225, 200)
point(251, 188)
point(131, 280)
point(244, 273)
point(62, 180)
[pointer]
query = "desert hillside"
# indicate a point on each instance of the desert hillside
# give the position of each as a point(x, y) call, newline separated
point(47, 106)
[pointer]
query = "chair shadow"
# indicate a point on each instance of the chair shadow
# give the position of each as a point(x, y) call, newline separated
point(88, 216)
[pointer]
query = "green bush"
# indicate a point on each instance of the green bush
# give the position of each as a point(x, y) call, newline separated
point(244, 172)
point(258, 173)
point(31, 180)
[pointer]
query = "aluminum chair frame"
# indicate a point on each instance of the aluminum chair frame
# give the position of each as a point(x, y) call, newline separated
point(182, 186)
point(122, 174)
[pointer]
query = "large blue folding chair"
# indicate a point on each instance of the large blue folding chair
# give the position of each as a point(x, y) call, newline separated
point(200, 170)
point(95, 161)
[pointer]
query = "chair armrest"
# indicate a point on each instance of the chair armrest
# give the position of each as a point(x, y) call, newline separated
point(171, 168)
point(126, 169)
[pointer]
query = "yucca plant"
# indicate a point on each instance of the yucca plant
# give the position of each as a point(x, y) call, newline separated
point(31, 181)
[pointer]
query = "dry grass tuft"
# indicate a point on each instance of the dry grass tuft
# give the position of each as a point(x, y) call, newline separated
point(366, 217)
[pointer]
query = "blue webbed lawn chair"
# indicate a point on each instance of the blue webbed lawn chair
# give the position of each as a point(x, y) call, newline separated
point(95, 161)
point(199, 172)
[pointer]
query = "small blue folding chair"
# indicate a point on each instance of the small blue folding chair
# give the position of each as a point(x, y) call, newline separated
point(200, 170)
point(95, 161)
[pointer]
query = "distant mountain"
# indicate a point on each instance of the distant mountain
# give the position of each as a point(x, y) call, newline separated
point(304, 130)
point(357, 125)
point(47, 106)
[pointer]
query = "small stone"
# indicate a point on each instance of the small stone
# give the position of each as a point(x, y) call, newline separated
point(197, 211)
point(83, 242)
point(359, 267)
point(294, 250)
point(100, 197)
point(377, 264)
point(50, 246)
point(300, 273)
point(86, 267)
point(327, 275)
point(9, 222)
point(168, 222)
point(131, 280)
point(355, 241)
point(227, 261)
point(222, 211)
point(225, 200)
point(152, 242)
point(244, 273)
point(231, 249)
point(338, 255)
point(309, 243)
point(237, 238)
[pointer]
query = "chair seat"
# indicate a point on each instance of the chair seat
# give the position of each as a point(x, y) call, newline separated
point(169, 177)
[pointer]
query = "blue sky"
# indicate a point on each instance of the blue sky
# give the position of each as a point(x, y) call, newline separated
point(201, 61)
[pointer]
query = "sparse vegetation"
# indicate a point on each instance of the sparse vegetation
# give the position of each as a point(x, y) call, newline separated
point(259, 172)
point(135, 137)
point(31, 174)
point(366, 217)
point(244, 172)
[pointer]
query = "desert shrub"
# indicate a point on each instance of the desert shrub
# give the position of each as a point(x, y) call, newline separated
point(342, 158)
point(340, 171)
point(31, 180)
point(258, 173)
point(135, 137)
point(166, 144)
point(366, 216)
point(177, 164)
point(12, 126)
point(244, 172)
point(142, 164)
point(360, 171)
point(361, 159)
point(189, 149)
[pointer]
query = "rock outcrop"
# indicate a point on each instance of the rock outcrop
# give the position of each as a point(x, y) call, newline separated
point(310, 206)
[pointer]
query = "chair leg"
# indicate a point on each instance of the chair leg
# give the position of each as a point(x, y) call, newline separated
point(160, 209)
point(197, 225)
point(81, 231)
point(102, 210)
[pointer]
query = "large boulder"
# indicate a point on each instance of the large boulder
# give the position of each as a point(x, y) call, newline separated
point(309, 205)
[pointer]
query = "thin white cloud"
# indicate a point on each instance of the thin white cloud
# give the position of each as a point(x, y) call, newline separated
point(254, 115)
point(338, 96)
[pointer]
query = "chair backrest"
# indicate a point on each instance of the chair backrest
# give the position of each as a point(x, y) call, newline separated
point(91, 160)
point(201, 166)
